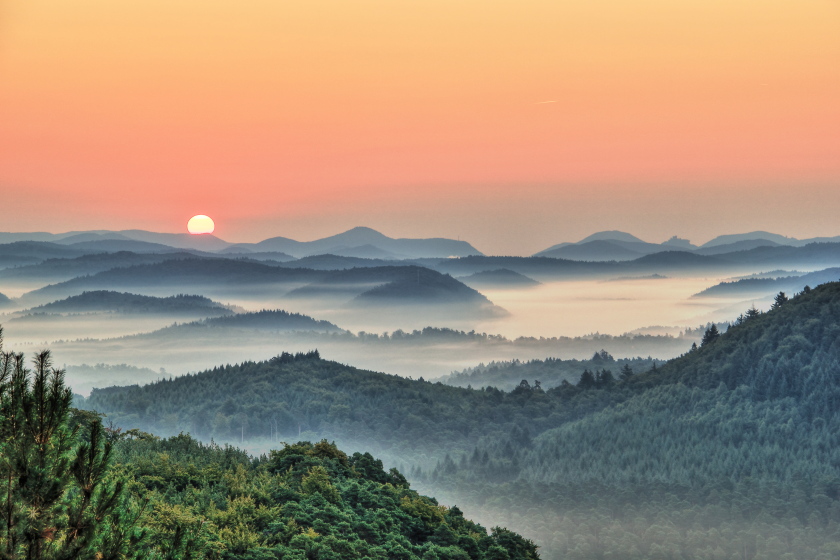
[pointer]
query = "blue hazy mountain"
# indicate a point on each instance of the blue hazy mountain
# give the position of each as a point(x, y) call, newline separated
point(367, 242)
point(118, 245)
point(396, 285)
point(612, 235)
point(206, 242)
point(175, 274)
point(621, 246)
point(499, 278)
point(752, 236)
point(269, 320)
point(229, 277)
point(670, 260)
point(337, 262)
point(54, 269)
point(768, 286)
point(812, 255)
point(737, 246)
point(20, 253)
point(5, 301)
point(547, 268)
point(414, 284)
point(598, 250)
point(122, 302)
point(357, 242)
point(612, 246)
point(176, 240)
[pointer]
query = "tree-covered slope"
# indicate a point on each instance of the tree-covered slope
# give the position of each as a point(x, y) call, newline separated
point(120, 302)
point(549, 373)
point(269, 320)
point(729, 451)
point(289, 395)
point(74, 490)
point(301, 502)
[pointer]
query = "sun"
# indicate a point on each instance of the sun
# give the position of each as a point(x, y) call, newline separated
point(200, 224)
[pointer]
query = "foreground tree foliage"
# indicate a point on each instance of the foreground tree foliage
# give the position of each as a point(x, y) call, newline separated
point(62, 499)
point(57, 500)
point(305, 501)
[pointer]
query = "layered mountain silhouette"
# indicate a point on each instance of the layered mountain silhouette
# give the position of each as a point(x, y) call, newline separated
point(621, 246)
point(358, 242)
point(388, 285)
point(366, 243)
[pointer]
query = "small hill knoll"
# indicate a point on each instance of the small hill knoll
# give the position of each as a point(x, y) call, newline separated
point(499, 278)
point(119, 302)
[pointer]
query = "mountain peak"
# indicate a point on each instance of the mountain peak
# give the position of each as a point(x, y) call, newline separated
point(613, 235)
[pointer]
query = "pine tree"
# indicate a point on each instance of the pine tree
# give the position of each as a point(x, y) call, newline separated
point(587, 380)
point(710, 335)
point(779, 300)
point(57, 501)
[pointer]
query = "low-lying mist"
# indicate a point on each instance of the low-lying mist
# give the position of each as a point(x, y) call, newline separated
point(628, 317)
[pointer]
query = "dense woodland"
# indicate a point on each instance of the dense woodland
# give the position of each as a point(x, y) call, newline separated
point(119, 302)
point(75, 490)
point(729, 451)
point(550, 372)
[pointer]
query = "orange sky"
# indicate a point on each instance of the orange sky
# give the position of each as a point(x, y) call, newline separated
point(420, 118)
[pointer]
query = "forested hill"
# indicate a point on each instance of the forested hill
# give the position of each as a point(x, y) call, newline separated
point(119, 302)
point(300, 502)
point(75, 490)
point(792, 351)
point(729, 451)
point(299, 394)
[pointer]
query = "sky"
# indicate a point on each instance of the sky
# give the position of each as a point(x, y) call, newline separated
point(514, 125)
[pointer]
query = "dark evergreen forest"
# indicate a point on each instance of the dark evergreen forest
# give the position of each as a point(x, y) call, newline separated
point(729, 451)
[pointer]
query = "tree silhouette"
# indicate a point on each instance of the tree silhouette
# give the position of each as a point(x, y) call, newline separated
point(711, 335)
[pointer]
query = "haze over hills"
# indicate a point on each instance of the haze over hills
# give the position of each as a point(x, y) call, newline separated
point(365, 243)
point(712, 454)
point(371, 286)
point(66, 268)
point(771, 286)
point(20, 253)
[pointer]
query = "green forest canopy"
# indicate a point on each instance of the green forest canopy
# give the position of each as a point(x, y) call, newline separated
point(727, 451)
point(76, 490)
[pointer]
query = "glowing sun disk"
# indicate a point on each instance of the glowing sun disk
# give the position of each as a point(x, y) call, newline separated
point(200, 224)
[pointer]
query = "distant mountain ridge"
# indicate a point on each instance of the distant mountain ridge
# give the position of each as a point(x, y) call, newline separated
point(361, 242)
point(622, 246)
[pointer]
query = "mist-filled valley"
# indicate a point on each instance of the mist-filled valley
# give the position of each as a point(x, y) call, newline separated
point(636, 401)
